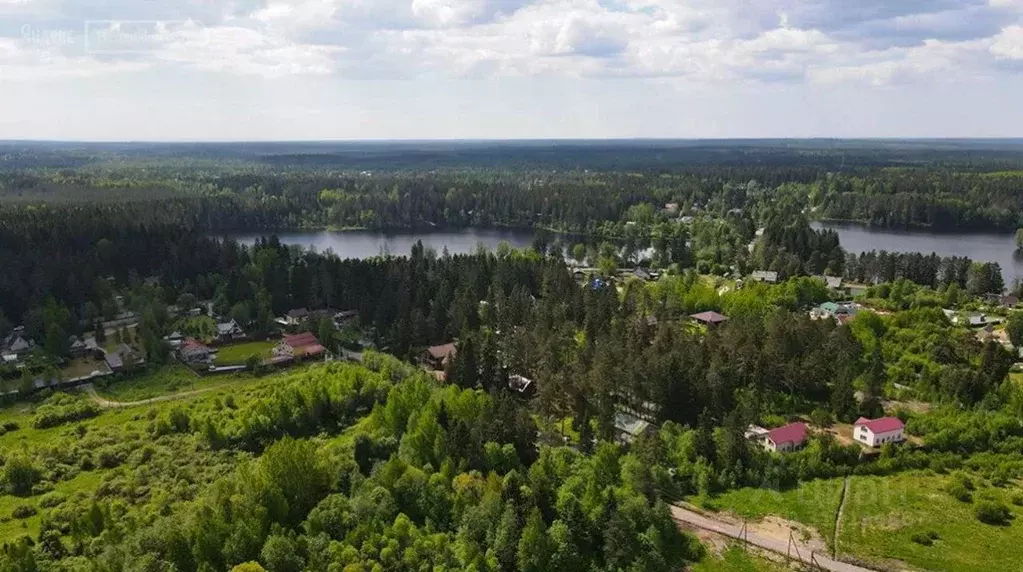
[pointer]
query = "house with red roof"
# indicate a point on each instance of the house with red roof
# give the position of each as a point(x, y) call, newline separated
point(877, 432)
point(298, 346)
point(786, 438)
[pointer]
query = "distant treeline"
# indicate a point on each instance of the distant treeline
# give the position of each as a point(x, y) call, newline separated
point(272, 191)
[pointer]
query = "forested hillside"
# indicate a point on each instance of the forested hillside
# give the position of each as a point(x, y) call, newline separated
point(670, 307)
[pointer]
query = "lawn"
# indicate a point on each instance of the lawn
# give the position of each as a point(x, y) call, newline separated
point(83, 366)
point(152, 383)
point(882, 513)
point(735, 560)
point(814, 503)
point(236, 354)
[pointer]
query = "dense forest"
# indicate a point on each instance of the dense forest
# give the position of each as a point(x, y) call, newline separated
point(379, 466)
point(571, 186)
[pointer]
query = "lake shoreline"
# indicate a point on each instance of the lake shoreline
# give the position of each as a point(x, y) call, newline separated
point(836, 222)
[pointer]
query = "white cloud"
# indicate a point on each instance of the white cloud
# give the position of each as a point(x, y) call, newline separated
point(244, 51)
point(707, 41)
point(1009, 43)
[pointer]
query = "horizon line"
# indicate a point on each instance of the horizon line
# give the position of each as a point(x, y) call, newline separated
point(515, 140)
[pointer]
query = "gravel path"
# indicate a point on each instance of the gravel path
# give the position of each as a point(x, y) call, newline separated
point(732, 530)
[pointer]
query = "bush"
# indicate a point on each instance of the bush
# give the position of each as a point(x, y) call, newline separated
point(924, 538)
point(62, 408)
point(1017, 499)
point(19, 475)
point(993, 512)
point(53, 499)
point(23, 511)
point(959, 492)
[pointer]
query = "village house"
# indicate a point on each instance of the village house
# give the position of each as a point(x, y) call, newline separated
point(193, 351)
point(834, 310)
point(877, 432)
point(768, 276)
point(755, 433)
point(229, 331)
point(124, 358)
point(786, 438)
point(833, 282)
point(295, 317)
point(644, 274)
point(629, 427)
point(1009, 300)
point(174, 339)
point(17, 344)
point(438, 357)
point(671, 208)
point(710, 318)
point(298, 346)
point(76, 347)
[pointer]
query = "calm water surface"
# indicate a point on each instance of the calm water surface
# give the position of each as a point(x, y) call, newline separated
point(855, 238)
point(366, 244)
point(985, 247)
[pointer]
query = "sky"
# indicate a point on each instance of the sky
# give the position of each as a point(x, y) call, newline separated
point(231, 70)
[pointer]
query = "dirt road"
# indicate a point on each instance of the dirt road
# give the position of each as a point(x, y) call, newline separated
point(107, 404)
point(798, 551)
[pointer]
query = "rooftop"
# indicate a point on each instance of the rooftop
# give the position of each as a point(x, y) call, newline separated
point(882, 425)
point(710, 317)
point(791, 433)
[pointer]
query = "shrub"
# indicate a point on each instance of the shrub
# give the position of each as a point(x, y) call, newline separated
point(1017, 499)
point(924, 538)
point(993, 512)
point(52, 499)
point(19, 475)
point(23, 511)
point(959, 492)
point(62, 408)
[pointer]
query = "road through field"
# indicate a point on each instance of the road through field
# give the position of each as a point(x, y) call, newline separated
point(108, 404)
point(798, 551)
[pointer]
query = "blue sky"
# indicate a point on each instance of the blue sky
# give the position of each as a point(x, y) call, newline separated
point(393, 69)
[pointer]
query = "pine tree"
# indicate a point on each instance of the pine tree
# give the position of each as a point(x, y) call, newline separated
point(535, 549)
point(876, 377)
point(843, 398)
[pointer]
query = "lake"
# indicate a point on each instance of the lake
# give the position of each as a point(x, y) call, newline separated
point(368, 243)
point(983, 247)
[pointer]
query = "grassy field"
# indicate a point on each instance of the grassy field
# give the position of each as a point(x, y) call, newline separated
point(236, 354)
point(735, 560)
point(882, 513)
point(814, 503)
point(166, 380)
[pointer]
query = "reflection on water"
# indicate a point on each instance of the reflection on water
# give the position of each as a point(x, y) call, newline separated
point(983, 247)
point(366, 244)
